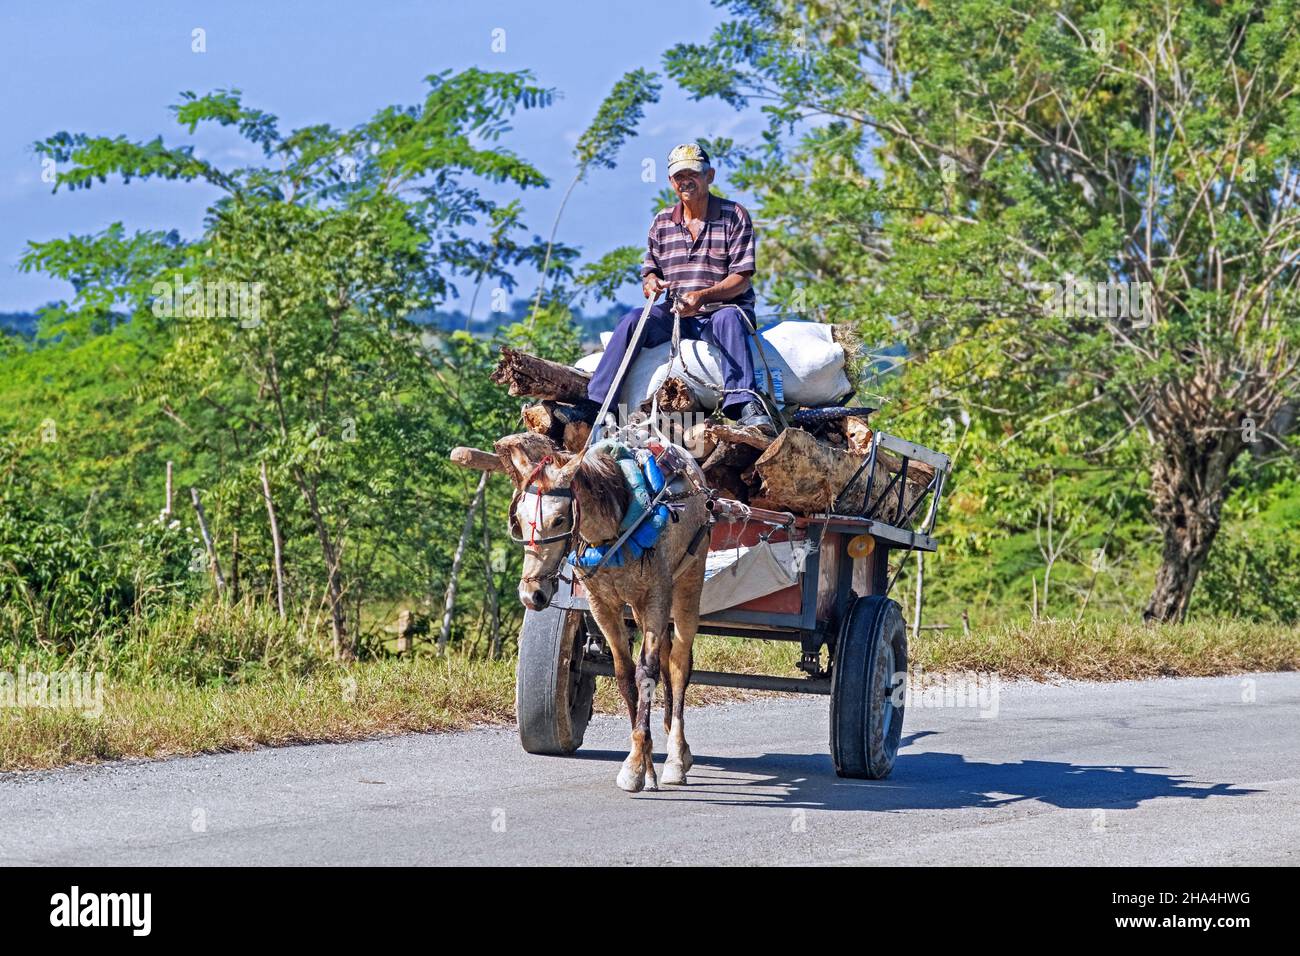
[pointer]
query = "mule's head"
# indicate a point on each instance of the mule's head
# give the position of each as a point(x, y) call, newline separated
point(543, 517)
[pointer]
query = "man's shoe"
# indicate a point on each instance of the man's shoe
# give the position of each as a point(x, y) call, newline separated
point(754, 415)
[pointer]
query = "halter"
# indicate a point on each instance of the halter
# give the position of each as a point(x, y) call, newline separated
point(531, 489)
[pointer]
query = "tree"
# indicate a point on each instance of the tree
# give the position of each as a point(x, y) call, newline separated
point(970, 170)
point(288, 341)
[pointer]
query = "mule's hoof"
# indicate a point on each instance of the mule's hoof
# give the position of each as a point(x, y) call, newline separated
point(681, 759)
point(674, 774)
point(651, 780)
point(631, 780)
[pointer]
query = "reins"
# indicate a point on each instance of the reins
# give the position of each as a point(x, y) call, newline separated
point(617, 384)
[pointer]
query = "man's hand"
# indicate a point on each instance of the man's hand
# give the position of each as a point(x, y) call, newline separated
point(652, 285)
point(688, 303)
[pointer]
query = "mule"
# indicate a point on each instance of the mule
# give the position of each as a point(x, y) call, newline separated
point(565, 501)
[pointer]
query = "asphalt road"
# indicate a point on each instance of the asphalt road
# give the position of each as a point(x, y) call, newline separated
point(1152, 772)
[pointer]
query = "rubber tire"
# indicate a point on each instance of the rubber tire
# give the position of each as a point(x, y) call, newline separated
point(553, 702)
point(861, 689)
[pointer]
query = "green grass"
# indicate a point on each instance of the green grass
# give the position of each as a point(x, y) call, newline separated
point(313, 701)
point(215, 679)
point(1108, 649)
point(331, 704)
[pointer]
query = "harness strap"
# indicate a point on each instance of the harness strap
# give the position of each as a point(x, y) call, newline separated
point(694, 546)
point(552, 493)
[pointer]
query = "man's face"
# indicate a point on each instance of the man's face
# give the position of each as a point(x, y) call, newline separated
point(691, 185)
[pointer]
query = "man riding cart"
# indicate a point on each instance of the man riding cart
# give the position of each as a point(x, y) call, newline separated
point(702, 251)
point(716, 528)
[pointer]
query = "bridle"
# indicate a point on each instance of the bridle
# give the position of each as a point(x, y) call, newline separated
point(516, 532)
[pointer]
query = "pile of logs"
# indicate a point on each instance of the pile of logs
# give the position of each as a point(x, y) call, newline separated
point(796, 471)
point(563, 412)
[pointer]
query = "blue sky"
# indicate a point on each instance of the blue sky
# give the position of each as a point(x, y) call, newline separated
point(114, 68)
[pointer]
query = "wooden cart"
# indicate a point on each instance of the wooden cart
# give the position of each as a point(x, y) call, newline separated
point(838, 605)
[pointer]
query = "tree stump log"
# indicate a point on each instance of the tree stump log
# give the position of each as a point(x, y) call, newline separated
point(475, 459)
point(550, 417)
point(676, 396)
point(566, 424)
point(738, 435)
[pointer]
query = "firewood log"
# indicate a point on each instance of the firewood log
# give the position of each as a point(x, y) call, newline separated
point(730, 455)
point(676, 396)
point(478, 460)
point(727, 481)
point(699, 441)
point(528, 375)
point(550, 418)
point(857, 435)
point(799, 473)
point(739, 435)
point(725, 469)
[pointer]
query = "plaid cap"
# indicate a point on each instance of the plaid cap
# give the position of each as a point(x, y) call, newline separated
point(688, 156)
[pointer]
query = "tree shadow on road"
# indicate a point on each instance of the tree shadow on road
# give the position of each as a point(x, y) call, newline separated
point(927, 781)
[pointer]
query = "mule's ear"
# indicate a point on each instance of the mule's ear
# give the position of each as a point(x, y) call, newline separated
point(521, 453)
point(520, 465)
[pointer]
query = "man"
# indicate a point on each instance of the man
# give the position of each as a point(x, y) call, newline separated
point(702, 252)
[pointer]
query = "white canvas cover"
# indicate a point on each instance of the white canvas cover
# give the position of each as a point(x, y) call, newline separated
point(736, 575)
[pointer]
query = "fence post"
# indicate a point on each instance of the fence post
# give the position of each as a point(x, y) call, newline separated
point(275, 542)
point(208, 543)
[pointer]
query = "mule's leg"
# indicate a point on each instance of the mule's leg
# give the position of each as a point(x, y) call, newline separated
point(665, 655)
point(686, 621)
point(609, 615)
point(653, 621)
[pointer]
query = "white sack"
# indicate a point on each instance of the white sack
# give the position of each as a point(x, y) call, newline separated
point(589, 362)
point(807, 357)
point(807, 367)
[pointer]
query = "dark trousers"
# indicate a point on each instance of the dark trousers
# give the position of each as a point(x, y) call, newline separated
point(728, 328)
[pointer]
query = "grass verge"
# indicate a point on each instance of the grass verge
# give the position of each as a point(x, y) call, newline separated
point(1114, 650)
point(202, 688)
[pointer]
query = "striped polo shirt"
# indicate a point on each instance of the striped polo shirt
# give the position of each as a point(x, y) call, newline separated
point(725, 245)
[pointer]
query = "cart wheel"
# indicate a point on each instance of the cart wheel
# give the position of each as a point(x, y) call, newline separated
point(553, 698)
point(865, 722)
